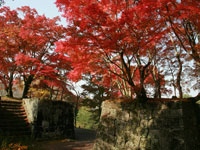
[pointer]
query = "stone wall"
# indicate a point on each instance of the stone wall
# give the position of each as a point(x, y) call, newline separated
point(150, 126)
point(50, 119)
point(31, 107)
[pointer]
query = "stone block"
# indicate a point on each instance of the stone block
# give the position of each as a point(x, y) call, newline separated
point(53, 119)
point(144, 123)
point(150, 126)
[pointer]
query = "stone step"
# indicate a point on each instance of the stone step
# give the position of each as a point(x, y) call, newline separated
point(6, 132)
point(13, 114)
point(11, 107)
point(11, 103)
point(13, 111)
point(13, 119)
point(13, 123)
point(15, 127)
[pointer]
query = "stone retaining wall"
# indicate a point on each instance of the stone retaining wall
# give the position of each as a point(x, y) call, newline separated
point(150, 126)
point(50, 119)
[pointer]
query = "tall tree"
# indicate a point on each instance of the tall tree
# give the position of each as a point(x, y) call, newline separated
point(27, 47)
point(114, 39)
point(38, 35)
point(9, 42)
point(110, 37)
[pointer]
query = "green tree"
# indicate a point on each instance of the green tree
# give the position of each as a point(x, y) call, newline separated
point(86, 118)
point(94, 94)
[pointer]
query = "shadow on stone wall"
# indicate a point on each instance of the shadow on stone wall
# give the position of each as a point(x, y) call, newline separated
point(50, 119)
point(167, 125)
point(191, 120)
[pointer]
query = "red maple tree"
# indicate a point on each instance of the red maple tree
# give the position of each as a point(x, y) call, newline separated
point(27, 48)
point(110, 38)
point(8, 43)
point(113, 39)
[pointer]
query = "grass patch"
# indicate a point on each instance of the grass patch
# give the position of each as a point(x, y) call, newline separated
point(86, 118)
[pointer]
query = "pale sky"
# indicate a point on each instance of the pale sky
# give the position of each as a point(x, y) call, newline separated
point(46, 7)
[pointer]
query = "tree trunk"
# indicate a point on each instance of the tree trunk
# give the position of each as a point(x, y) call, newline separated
point(27, 83)
point(10, 86)
point(157, 88)
point(141, 95)
point(76, 111)
point(139, 91)
point(178, 81)
point(157, 91)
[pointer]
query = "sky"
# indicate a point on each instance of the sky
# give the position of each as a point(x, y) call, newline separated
point(46, 7)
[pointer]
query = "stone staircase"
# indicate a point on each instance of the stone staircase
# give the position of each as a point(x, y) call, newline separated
point(13, 119)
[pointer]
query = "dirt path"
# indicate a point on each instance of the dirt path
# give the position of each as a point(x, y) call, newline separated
point(84, 141)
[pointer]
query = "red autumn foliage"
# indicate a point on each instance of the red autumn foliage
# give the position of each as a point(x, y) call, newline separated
point(119, 40)
point(27, 48)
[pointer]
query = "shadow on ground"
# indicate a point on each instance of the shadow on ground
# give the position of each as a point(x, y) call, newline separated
point(84, 134)
point(84, 140)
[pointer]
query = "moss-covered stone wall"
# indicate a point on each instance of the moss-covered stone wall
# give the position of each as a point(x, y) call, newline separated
point(150, 126)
